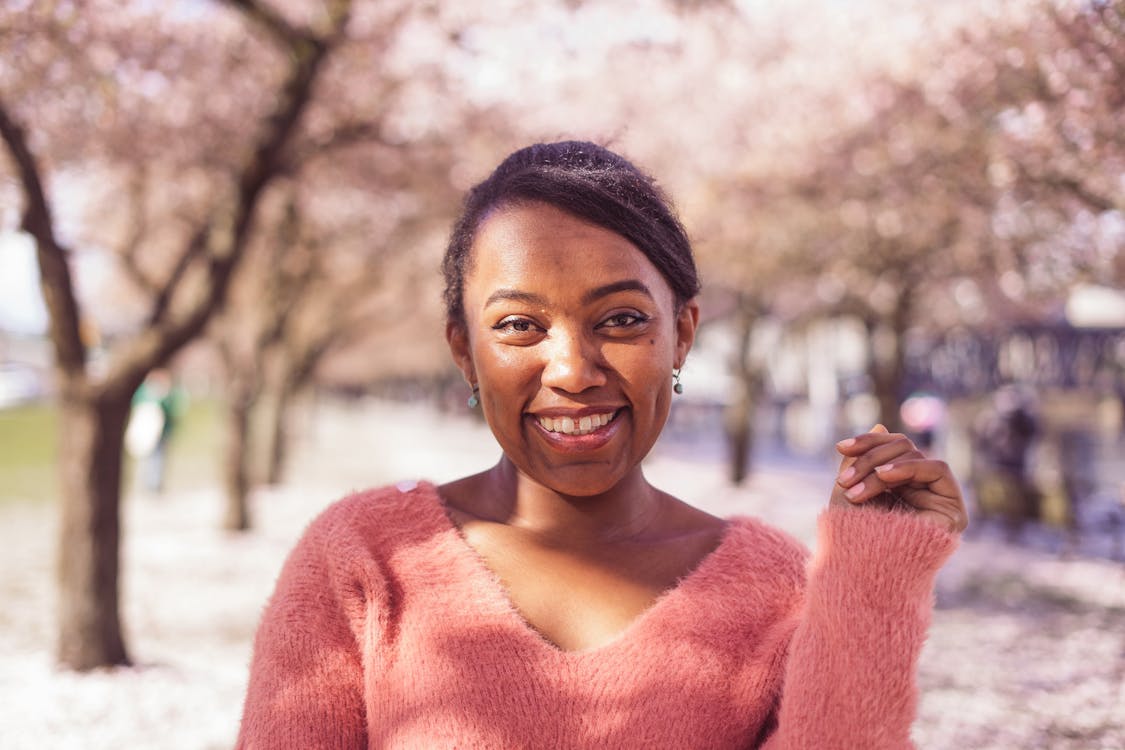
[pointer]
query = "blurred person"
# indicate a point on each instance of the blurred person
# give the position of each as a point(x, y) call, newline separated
point(152, 422)
point(560, 600)
point(1004, 434)
point(923, 415)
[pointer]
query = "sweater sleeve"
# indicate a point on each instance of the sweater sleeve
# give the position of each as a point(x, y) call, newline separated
point(850, 673)
point(306, 673)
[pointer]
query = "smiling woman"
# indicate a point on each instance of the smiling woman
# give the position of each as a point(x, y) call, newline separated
point(559, 599)
point(564, 320)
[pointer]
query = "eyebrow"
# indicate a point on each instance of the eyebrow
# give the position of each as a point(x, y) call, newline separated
point(626, 285)
point(501, 295)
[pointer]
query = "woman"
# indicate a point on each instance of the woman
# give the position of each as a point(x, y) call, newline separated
point(560, 600)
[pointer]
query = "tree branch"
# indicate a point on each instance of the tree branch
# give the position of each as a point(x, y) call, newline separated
point(227, 231)
point(54, 269)
point(280, 29)
point(162, 299)
point(135, 240)
point(1075, 187)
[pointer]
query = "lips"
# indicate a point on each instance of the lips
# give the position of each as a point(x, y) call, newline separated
point(577, 432)
point(576, 425)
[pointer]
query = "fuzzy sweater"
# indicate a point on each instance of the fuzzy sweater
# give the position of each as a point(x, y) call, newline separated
point(386, 630)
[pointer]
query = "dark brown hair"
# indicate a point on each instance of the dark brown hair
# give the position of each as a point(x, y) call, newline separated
point(590, 182)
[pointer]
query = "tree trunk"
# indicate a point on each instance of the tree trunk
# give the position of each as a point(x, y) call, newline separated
point(886, 365)
point(887, 392)
point(92, 434)
point(237, 459)
point(279, 433)
point(740, 438)
point(739, 414)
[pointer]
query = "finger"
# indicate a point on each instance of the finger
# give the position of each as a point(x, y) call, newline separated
point(929, 487)
point(932, 474)
point(837, 497)
point(897, 450)
point(868, 488)
point(856, 445)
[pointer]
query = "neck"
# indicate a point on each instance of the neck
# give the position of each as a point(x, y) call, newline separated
point(625, 511)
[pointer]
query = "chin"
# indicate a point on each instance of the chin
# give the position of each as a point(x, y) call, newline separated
point(578, 481)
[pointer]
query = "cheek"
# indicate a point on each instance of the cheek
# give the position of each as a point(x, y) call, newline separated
point(644, 364)
point(505, 362)
point(507, 374)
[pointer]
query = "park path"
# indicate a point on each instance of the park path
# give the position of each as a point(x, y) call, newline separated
point(1027, 649)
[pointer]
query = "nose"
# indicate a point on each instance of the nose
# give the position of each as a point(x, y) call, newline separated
point(573, 363)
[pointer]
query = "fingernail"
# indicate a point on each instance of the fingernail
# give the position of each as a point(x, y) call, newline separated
point(884, 467)
point(856, 491)
point(845, 443)
point(847, 474)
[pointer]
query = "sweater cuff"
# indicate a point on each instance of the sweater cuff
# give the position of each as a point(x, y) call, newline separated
point(894, 553)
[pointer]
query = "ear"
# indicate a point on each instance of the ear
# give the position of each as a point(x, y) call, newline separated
point(458, 339)
point(686, 322)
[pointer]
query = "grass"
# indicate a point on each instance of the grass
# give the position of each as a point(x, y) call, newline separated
point(28, 437)
point(28, 450)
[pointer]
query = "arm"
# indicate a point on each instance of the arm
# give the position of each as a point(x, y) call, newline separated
point(850, 673)
point(306, 675)
point(892, 521)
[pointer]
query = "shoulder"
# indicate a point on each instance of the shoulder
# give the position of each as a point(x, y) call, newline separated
point(349, 551)
point(758, 546)
point(372, 523)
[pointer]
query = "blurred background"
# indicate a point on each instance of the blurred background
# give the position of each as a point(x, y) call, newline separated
point(221, 223)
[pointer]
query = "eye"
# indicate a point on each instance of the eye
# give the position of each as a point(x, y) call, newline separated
point(516, 327)
point(513, 324)
point(623, 320)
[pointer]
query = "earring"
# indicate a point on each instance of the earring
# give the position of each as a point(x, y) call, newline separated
point(677, 386)
point(474, 398)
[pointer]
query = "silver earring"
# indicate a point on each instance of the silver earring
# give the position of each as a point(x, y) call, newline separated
point(677, 386)
point(474, 398)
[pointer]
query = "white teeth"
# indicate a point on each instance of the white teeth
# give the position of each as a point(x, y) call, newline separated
point(583, 426)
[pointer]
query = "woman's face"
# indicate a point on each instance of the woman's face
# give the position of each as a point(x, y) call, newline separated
point(571, 334)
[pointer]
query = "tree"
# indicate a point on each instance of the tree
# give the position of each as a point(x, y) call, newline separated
point(185, 294)
point(1059, 92)
point(757, 241)
point(905, 201)
point(320, 282)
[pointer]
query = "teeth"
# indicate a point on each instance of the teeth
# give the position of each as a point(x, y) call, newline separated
point(584, 426)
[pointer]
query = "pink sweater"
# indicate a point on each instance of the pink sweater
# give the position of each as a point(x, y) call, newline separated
point(386, 630)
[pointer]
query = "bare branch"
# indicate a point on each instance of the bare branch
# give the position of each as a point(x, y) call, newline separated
point(352, 134)
point(54, 269)
point(1070, 185)
point(267, 18)
point(166, 293)
point(227, 231)
point(130, 250)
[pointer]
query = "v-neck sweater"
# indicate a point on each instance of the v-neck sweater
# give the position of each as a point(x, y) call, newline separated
point(387, 630)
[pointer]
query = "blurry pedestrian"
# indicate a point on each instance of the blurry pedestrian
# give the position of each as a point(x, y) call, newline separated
point(153, 421)
point(1004, 436)
point(923, 415)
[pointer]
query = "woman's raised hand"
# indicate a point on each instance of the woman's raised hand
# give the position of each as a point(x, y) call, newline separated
point(886, 468)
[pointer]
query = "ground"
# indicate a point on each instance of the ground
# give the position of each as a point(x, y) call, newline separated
point(1027, 649)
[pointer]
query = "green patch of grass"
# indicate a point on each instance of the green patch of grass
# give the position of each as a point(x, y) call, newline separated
point(193, 453)
point(29, 447)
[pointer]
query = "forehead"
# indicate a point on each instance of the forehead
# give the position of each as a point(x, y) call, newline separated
point(539, 245)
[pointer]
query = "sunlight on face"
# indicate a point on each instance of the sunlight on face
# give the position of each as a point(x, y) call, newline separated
point(572, 335)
